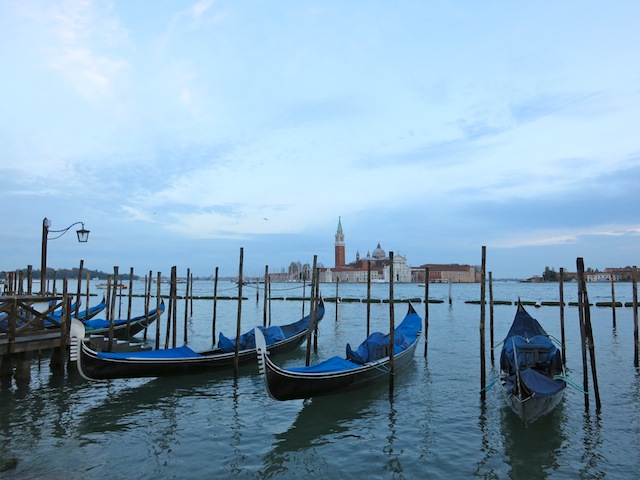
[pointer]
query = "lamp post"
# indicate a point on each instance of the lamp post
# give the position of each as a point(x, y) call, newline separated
point(83, 236)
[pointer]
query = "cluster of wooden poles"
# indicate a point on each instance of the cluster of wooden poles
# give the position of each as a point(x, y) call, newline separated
point(586, 331)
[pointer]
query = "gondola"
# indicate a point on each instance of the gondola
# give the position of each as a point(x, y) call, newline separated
point(123, 328)
point(361, 367)
point(86, 314)
point(531, 368)
point(94, 365)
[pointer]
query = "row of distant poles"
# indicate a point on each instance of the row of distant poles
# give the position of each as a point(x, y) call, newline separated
point(586, 331)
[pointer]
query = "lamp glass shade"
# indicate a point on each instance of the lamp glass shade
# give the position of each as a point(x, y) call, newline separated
point(83, 235)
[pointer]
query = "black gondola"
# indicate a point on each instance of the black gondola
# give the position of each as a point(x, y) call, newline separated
point(122, 326)
point(368, 364)
point(94, 365)
point(531, 368)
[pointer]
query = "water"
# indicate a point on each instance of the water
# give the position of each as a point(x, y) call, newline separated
point(434, 425)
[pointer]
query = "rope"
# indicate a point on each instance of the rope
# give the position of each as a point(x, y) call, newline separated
point(571, 383)
point(382, 368)
point(488, 387)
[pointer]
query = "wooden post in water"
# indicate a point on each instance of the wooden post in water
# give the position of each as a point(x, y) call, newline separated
point(236, 360)
point(368, 298)
point(583, 337)
point(337, 298)
point(79, 288)
point(493, 360)
point(588, 332)
point(613, 301)
point(65, 320)
point(392, 326)
point(169, 313)
point(191, 296)
point(174, 288)
point(426, 310)
point(264, 309)
point(186, 307)
point(450, 296)
point(304, 289)
point(158, 301)
point(215, 307)
point(147, 301)
point(316, 301)
point(110, 307)
point(88, 286)
point(312, 319)
point(562, 337)
point(269, 295)
point(130, 303)
point(29, 279)
point(483, 373)
point(636, 341)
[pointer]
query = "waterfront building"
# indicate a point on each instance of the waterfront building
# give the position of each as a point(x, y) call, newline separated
point(445, 273)
point(357, 271)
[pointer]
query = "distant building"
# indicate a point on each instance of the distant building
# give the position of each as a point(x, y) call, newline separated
point(443, 273)
point(358, 271)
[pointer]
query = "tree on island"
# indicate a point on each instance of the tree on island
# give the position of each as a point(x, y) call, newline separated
point(549, 275)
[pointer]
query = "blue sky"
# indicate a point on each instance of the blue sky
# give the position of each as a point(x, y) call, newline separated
point(181, 131)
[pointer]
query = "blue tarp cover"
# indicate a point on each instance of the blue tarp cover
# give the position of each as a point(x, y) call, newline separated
point(405, 334)
point(100, 323)
point(376, 346)
point(180, 352)
point(538, 384)
point(532, 345)
point(272, 335)
point(331, 365)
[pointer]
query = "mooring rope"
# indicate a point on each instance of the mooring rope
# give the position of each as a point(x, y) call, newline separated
point(488, 387)
point(570, 382)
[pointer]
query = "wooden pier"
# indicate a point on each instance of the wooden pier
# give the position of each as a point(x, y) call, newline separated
point(25, 330)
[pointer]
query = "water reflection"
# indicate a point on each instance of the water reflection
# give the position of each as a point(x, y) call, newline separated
point(322, 421)
point(532, 451)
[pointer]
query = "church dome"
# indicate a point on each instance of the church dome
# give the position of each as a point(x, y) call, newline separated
point(378, 252)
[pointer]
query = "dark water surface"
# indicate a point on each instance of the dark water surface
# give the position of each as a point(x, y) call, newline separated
point(433, 426)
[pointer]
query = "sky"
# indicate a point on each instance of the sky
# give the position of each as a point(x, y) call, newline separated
point(182, 132)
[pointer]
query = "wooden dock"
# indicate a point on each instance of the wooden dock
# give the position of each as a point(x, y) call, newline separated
point(25, 329)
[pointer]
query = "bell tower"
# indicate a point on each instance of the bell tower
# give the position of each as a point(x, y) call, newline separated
point(339, 246)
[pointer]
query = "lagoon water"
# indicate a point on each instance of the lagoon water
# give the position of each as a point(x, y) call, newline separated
point(433, 426)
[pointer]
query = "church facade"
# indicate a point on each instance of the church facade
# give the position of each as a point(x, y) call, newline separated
point(378, 262)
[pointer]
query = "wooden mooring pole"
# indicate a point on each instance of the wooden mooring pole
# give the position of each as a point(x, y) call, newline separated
point(636, 341)
point(613, 301)
point(483, 373)
point(236, 358)
point(368, 299)
point(426, 310)
point(392, 326)
point(337, 297)
point(491, 344)
point(158, 301)
point(186, 307)
point(562, 337)
point(266, 286)
point(215, 307)
point(312, 320)
point(588, 344)
point(79, 291)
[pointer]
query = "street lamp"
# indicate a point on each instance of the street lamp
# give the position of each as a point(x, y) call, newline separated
point(83, 236)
